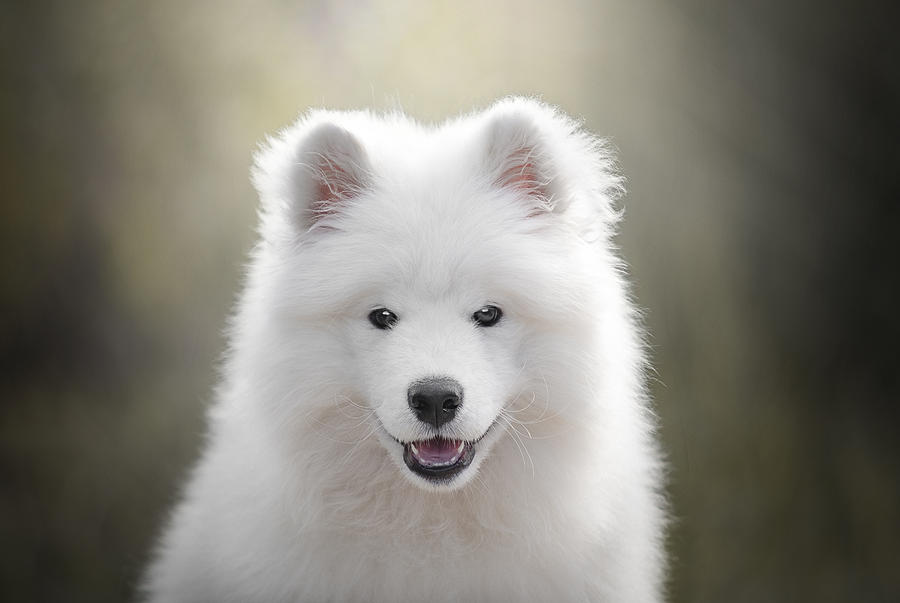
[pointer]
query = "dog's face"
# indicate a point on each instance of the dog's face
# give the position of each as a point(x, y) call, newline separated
point(438, 370)
point(441, 315)
point(448, 270)
point(439, 352)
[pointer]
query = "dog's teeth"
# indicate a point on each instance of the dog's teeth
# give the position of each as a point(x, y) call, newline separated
point(461, 446)
point(414, 449)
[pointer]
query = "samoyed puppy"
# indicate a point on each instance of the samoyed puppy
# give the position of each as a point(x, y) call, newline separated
point(433, 390)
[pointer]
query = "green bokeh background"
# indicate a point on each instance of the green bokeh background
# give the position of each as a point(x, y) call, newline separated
point(760, 142)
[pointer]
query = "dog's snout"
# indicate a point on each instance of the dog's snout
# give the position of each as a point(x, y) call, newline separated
point(435, 400)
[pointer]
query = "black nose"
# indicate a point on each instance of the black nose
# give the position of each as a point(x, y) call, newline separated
point(435, 400)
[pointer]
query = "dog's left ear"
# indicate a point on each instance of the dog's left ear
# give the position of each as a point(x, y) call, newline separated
point(517, 159)
point(552, 164)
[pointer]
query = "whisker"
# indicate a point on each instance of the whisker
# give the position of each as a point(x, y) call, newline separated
point(520, 444)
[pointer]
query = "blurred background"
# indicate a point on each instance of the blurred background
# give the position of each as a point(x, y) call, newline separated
point(760, 142)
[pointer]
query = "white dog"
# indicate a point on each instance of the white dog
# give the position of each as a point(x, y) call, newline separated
point(434, 384)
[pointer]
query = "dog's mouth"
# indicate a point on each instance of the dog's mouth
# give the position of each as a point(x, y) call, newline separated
point(438, 459)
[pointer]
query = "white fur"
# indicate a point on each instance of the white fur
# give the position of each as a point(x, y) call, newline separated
point(302, 494)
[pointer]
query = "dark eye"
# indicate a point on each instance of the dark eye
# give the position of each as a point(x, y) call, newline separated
point(487, 316)
point(382, 318)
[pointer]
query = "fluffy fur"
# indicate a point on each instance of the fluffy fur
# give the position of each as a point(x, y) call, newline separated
point(302, 493)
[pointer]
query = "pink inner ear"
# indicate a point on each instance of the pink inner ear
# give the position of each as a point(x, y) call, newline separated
point(332, 184)
point(522, 174)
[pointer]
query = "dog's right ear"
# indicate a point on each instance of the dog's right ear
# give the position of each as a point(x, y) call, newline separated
point(311, 172)
point(331, 168)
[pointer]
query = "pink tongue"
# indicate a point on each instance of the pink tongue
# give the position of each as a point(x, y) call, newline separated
point(436, 451)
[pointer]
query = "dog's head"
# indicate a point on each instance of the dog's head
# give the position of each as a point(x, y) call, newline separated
point(440, 275)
